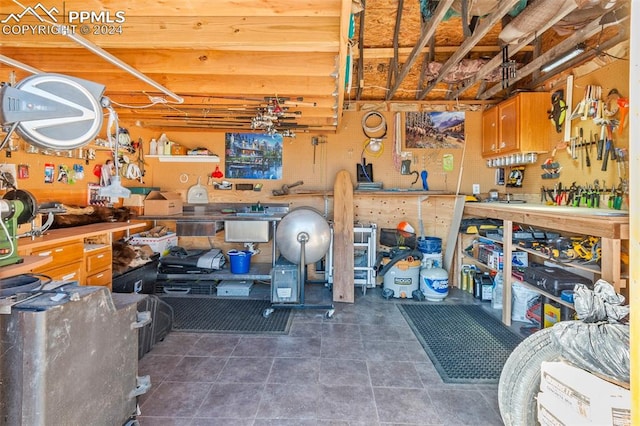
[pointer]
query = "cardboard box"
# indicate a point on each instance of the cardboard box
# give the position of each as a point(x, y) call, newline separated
point(158, 244)
point(571, 393)
point(161, 203)
point(135, 200)
point(552, 315)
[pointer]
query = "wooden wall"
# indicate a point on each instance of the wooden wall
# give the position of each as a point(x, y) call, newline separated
point(343, 151)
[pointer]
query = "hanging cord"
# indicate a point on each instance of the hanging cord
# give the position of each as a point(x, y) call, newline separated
point(373, 145)
point(368, 129)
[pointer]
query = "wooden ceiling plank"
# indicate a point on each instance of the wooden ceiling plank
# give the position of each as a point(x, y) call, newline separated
point(425, 35)
point(179, 61)
point(487, 23)
point(220, 85)
point(232, 8)
point(344, 51)
point(570, 42)
point(251, 33)
point(496, 61)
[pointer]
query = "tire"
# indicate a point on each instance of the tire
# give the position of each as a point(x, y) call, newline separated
point(520, 378)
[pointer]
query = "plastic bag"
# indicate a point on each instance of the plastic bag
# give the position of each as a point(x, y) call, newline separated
point(599, 342)
point(600, 304)
point(597, 347)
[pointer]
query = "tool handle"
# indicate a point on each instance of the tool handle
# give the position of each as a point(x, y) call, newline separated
point(424, 175)
point(587, 159)
point(605, 158)
point(600, 149)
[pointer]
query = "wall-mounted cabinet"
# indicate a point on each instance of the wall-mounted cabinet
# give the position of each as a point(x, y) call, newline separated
point(519, 124)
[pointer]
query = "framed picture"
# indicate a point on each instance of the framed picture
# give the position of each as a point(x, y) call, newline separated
point(253, 156)
point(435, 129)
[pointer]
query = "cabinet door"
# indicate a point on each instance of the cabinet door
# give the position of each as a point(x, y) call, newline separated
point(535, 129)
point(509, 140)
point(490, 132)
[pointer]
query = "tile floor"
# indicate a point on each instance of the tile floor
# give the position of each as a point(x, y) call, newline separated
point(362, 367)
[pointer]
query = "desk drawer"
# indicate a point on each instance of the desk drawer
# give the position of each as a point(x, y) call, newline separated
point(68, 272)
point(61, 253)
point(98, 259)
point(102, 278)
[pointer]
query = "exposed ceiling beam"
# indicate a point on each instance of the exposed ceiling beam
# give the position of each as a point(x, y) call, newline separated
point(393, 62)
point(496, 61)
point(569, 43)
point(504, 7)
point(427, 32)
point(371, 53)
point(360, 57)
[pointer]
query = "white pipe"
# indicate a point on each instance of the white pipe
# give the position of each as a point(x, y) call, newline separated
point(17, 64)
point(119, 63)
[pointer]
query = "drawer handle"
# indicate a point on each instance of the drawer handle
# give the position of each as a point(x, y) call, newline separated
point(45, 253)
point(142, 318)
point(100, 256)
point(177, 290)
point(99, 275)
point(59, 250)
point(68, 276)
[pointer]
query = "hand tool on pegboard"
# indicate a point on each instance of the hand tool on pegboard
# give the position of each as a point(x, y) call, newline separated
point(585, 147)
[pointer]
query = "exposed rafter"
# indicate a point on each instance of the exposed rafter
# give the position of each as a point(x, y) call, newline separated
point(570, 42)
point(496, 61)
point(504, 7)
point(427, 32)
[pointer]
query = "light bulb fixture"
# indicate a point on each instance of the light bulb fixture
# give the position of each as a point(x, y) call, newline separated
point(374, 145)
point(564, 58)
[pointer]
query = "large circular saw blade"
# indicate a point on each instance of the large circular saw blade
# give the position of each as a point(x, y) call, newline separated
point(66, 111)
point(28, 201)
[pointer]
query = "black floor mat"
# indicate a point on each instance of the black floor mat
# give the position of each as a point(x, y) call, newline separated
point(465, 343)
point(208, 314)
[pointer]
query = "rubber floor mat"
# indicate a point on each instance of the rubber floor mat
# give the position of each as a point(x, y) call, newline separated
point(465, 343)
point(208, 314)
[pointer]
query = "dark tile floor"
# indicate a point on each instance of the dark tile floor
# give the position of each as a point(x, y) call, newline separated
point(364, 366)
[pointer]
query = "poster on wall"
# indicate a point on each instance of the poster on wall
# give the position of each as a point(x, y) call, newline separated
point(8, 173)
point(435, 129)
point(253, 156)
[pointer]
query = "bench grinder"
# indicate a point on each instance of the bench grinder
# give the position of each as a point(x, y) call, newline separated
point(10, 212)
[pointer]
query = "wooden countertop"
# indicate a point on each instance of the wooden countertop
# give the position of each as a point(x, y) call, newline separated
point(69, 234)
point(605, 223)
point(28, 264)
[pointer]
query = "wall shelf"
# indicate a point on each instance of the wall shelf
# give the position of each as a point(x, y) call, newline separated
point(186, 158)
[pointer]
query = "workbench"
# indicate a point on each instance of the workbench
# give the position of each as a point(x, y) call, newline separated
point(81, 253)
point(208, 219)
point(611, 226)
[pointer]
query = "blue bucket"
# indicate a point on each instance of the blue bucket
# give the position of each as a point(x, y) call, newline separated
point(430, 244)
point(240, 261)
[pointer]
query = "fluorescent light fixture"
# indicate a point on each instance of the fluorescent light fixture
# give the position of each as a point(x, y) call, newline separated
point(564, 58)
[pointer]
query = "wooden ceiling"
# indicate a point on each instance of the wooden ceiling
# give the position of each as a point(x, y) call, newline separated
point(290, 65)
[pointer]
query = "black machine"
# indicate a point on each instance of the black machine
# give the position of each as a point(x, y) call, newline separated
point(553, 280)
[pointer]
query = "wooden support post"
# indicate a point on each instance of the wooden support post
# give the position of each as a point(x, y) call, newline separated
point(343, 279)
